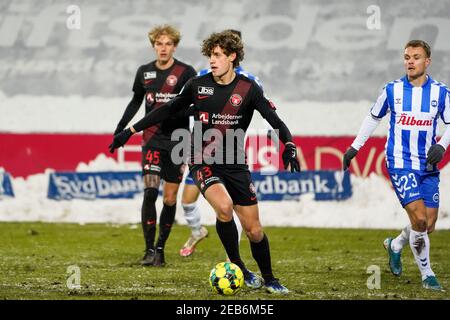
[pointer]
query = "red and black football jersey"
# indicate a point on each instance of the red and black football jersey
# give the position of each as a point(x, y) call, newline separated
point(227, 109)
point(158, 87)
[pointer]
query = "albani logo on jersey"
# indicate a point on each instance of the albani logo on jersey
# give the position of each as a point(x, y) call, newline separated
point(171, 80)
point(236, 100)
point(412, 121)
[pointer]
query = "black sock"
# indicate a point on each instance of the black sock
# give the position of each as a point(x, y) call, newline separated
point(165, 225)
point(261, 253)
point(148, 217)
point(228, 234)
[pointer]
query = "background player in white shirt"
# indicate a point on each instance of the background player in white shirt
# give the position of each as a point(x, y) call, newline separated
point(415, 103)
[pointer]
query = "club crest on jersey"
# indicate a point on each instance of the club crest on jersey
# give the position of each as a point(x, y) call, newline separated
point(204, 117)
point(150, 98)
point(235, 100)
point(434, 103)
point(205, 91)
point(171, 80)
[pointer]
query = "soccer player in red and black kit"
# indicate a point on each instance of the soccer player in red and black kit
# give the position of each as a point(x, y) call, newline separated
point(158, 82)
point(225, 101)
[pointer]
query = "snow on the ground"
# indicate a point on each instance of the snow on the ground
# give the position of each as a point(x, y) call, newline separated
point(373, 205)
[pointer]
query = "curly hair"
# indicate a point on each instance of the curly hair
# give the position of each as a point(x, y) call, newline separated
point(228, 41)
point(167, 30)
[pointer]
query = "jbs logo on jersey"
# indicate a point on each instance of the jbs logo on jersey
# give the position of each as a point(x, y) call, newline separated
point(150, 75)
point(206, 90)
point(204, 117)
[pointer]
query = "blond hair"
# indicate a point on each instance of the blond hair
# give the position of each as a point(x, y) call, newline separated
point(167, 30)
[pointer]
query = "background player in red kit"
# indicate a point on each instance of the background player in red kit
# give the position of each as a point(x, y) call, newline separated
point(225, 101)
point(158, 82)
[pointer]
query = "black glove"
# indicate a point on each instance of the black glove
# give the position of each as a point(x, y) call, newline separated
point(120, 139)
point(348, 156)
point(290, 157)
point(119, 129)
point(435, 154)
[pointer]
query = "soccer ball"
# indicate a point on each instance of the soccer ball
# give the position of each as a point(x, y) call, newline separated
point(226, 278)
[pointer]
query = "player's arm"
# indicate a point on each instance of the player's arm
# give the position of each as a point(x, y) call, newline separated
point(267, 110)
point(368, 126)
point(271, 134)
point(437, 151)
point(133, 106)
point(187, 75)
point(130, 111)
point(182, 101)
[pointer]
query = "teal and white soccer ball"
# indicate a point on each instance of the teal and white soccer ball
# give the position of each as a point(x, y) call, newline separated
point(226, 278)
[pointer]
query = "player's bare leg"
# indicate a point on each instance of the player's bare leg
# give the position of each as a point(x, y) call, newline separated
point(420, 243)
point(259, 243)
point(148, 217)
point(192, 215)
point(432, 215)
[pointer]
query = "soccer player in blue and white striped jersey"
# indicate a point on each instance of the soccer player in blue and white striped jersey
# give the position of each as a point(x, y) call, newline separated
point(415, 103)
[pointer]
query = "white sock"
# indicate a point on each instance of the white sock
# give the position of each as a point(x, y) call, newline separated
point(420, 246)
point(192, 216)
point(402, 240)
point(238, 226)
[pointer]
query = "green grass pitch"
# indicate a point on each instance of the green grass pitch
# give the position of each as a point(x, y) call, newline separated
point(312, 263)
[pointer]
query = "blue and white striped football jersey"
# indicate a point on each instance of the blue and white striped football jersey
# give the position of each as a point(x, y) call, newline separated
point(413, 122)
point(238, 70)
